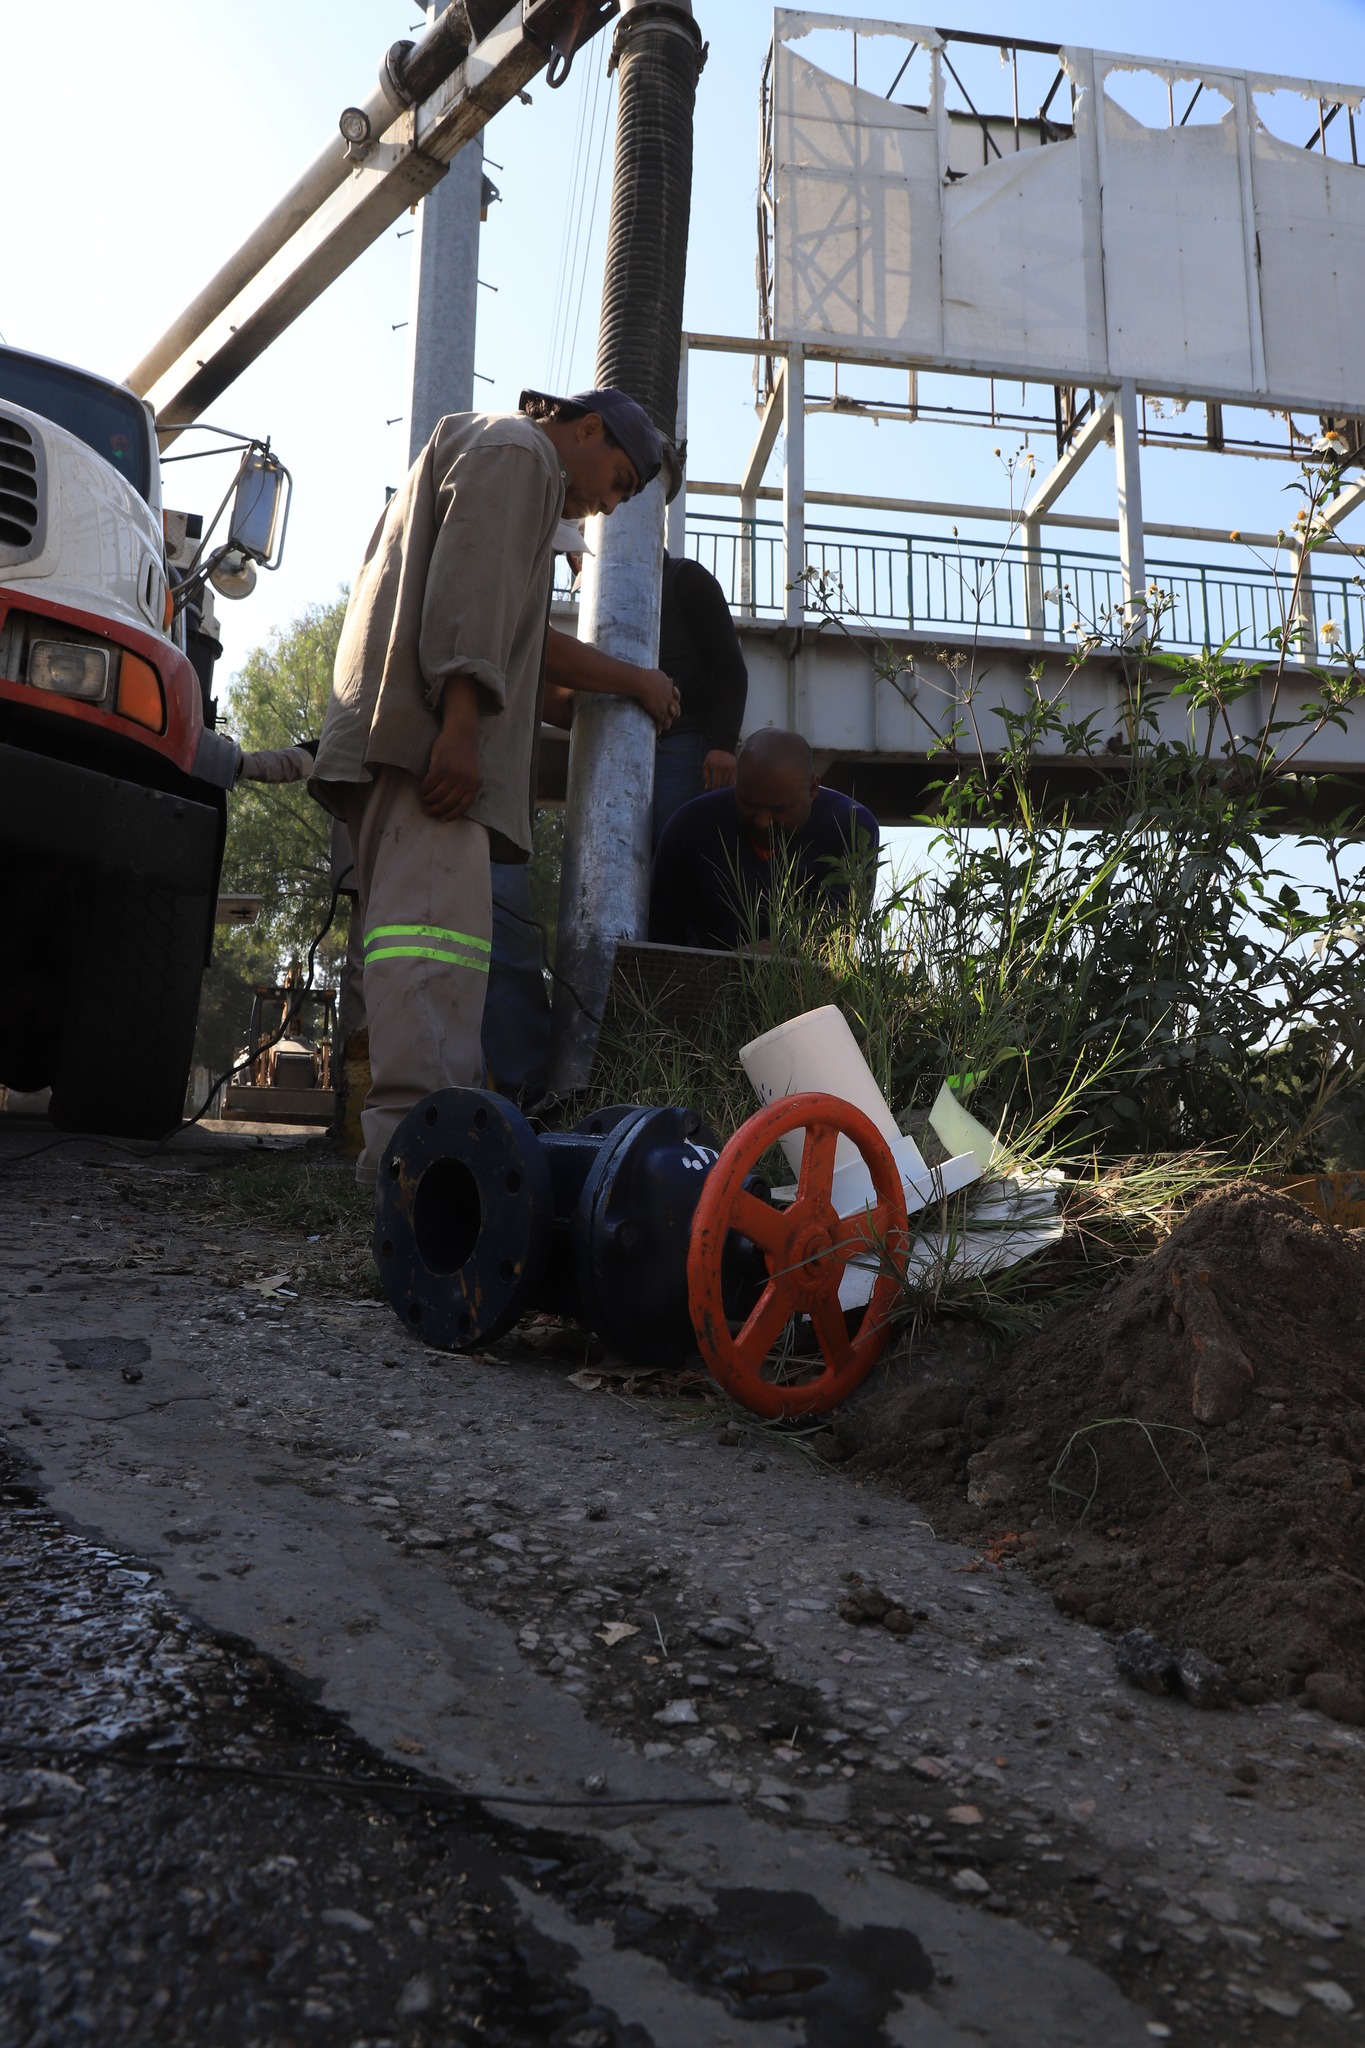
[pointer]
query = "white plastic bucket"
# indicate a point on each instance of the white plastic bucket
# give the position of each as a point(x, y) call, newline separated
point(817, 1051)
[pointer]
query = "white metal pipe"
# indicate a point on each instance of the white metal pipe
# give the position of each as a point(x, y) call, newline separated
point(1031, 534)
point(329, 170)
point(1096, 429)
point(935, 508)
point(794, 486)
point(748, 549)
point(1305, 609)
point(1128, 465)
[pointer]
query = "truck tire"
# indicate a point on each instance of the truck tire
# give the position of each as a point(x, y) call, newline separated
point(132, 1002)
point(35, 915)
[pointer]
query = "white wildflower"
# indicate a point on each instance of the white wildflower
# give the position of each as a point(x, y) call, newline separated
point(1329, 631)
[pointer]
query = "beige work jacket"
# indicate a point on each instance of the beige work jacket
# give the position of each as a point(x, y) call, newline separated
point(456, 581)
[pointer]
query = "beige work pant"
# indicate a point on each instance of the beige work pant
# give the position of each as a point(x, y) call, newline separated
point(426, 904)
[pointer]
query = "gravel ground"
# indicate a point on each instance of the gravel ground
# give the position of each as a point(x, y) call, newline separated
point(657, 1604)
point(183, 1894)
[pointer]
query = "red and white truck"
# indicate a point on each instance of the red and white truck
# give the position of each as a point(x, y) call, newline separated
point(113, 781)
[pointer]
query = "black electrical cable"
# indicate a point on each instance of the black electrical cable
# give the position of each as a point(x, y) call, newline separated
point(437, 1797)
point(560, 980)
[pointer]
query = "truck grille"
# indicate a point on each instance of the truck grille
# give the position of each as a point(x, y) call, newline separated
point(19, 501)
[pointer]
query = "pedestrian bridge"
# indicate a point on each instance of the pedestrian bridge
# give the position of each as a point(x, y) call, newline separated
point(908, 637)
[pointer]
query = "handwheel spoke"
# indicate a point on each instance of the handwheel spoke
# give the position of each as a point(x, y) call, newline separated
point(817, 1163)
point(871, 1229)
point(759, 1221)
point(828, 1319)
point(765, 1325)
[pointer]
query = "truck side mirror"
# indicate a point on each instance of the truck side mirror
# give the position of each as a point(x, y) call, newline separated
point(260, 510)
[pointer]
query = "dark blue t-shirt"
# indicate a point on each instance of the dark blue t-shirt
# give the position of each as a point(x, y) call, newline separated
point(707, 868)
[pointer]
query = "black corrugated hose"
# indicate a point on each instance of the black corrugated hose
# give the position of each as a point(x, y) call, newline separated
point(659, 52)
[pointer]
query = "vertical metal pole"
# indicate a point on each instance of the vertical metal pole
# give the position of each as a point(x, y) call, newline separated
point(444, 294)
point(748, 548)
point(794, 486)
point(1306, 610)
point(1132, 553)
point(675, 520)
point(1032, 533)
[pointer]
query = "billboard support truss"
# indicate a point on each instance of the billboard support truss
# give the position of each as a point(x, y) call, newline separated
point(1132, 264)
point(1073, 247)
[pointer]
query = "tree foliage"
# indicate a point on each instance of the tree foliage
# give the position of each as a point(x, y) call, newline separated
point(279, 838)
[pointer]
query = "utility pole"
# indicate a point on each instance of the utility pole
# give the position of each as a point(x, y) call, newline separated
point(445, 290)
point(604, 893)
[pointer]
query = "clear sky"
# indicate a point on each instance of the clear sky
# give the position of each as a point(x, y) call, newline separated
point(142, 143)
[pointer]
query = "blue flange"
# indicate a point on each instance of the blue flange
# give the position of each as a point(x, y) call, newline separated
point(480, 1221)
point(463, 1220)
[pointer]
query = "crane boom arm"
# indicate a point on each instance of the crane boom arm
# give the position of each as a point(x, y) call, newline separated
point(339, 208)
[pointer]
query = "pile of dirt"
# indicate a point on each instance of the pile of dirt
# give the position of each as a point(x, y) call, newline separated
point(1185, 1452)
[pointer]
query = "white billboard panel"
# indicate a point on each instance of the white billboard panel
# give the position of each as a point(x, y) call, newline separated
point(1207, 261)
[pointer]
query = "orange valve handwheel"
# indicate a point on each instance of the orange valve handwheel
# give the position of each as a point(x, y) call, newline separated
point(805, 1247)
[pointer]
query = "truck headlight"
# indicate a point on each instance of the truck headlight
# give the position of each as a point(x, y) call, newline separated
point(68, 670)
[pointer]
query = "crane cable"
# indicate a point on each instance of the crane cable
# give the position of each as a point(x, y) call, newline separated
point(575, 245)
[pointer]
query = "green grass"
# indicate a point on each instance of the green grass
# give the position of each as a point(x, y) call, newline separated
point(290, 1200)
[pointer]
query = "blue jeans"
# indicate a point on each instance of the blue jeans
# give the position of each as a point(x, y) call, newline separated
point(678, 758)
point(516, 1011)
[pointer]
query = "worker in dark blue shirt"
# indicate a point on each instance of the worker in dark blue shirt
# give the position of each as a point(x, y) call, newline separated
point(719, 855)
point(699, 648)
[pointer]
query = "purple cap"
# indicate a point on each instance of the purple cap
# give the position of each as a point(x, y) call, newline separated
point(629, 425)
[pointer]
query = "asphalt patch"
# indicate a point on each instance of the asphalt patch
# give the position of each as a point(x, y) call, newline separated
point(104, 1354)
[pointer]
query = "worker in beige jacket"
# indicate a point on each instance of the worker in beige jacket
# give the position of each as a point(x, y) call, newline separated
point(428, 747)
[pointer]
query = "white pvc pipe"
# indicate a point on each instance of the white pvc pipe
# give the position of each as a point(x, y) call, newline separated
point(817, 1051)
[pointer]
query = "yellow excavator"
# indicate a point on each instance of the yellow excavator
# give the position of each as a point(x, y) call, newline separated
point(288, 1057)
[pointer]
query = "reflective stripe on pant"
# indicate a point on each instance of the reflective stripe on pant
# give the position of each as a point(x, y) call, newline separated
point(426, 942)
point(428, 921)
